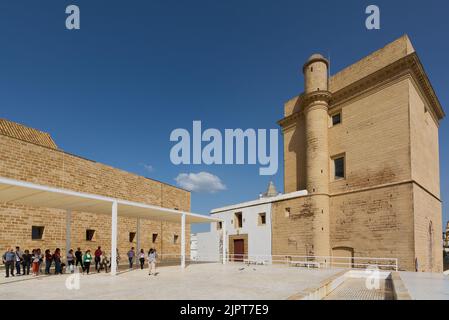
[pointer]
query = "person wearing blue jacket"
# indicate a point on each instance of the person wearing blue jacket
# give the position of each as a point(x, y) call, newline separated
point(9, 259)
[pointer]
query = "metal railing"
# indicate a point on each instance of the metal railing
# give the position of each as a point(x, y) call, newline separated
point(317, 261)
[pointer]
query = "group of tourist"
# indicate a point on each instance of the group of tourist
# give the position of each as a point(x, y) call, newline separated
point(23, 261)
point(151, 258)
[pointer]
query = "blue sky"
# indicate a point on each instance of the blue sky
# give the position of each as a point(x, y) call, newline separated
point(114, 90)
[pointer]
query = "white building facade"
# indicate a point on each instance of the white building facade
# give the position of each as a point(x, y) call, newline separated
point(248, 230)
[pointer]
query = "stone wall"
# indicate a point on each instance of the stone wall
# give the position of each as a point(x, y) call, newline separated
point(37, 164)
point(376, 223)
point(292, 226)
point(427, 231)
point(374, 136)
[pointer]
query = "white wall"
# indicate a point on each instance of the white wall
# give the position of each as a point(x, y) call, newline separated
point(193, 246)
point(259, 236)
point(208, 246)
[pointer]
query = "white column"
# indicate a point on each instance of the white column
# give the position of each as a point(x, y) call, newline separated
point(225, 243)
point(183, 240)
point(114, 239)
point(138, 236)
point(68, 234)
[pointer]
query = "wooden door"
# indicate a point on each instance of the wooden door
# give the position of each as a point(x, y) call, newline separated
point(239, 249)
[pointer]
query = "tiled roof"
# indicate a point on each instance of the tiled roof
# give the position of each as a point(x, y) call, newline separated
point(21, 132)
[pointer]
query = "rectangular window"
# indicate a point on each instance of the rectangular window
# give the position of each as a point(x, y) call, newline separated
point(287, 212)
point(262, 219)
point(339, 168)
point(37, 233)
point(90, 234)
point(336, 119)
point(238, 220)
point(219, 225)
point(175, 239)
point(132, 235)
point(154, 237)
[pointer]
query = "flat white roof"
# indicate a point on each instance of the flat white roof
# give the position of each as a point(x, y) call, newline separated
point(35, 195)
point(260, 201)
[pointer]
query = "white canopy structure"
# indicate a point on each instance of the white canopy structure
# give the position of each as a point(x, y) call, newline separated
point(30, 194)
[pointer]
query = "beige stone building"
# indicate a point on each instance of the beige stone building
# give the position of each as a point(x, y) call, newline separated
point(30, 155)
point(364, 144)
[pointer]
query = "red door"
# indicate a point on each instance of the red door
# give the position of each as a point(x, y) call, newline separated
point(239, 249)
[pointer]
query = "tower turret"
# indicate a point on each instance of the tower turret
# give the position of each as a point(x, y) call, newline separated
point(316, 114)
point(316, 103)
point(316, 73)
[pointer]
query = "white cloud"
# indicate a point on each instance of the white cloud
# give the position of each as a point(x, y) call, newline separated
point(147, 167)
point(200, 182)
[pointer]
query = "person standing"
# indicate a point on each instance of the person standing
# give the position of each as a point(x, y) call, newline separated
point(48, 261)
point(87, 259)
point(79, 258)
point(57, 260)
point(41, 258)
point(19, 258)
point(152, 256)
point(26, 262)
point(35, 262)
point(98, 254)
point(71, 261)
point(142, 258)
point(105, 262)
point(9, 259)
point(131, 255)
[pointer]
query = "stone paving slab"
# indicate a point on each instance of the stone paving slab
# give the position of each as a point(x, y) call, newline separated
point(356, 289)
point(426, 286)
point(197, 282)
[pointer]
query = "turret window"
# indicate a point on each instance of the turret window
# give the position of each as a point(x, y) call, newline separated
point(336, 119)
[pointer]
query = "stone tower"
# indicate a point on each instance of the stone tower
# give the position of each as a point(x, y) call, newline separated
point(364, 144)
point(316, 114)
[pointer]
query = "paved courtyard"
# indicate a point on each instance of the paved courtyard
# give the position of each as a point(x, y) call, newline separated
point(198, 281)
point(426, 286)
point(214, 281)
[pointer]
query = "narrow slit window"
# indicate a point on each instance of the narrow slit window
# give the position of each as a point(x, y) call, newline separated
point(238, 220)
point(262, 219)
point(339, 168)
point(90, 234)
point(37, 233)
